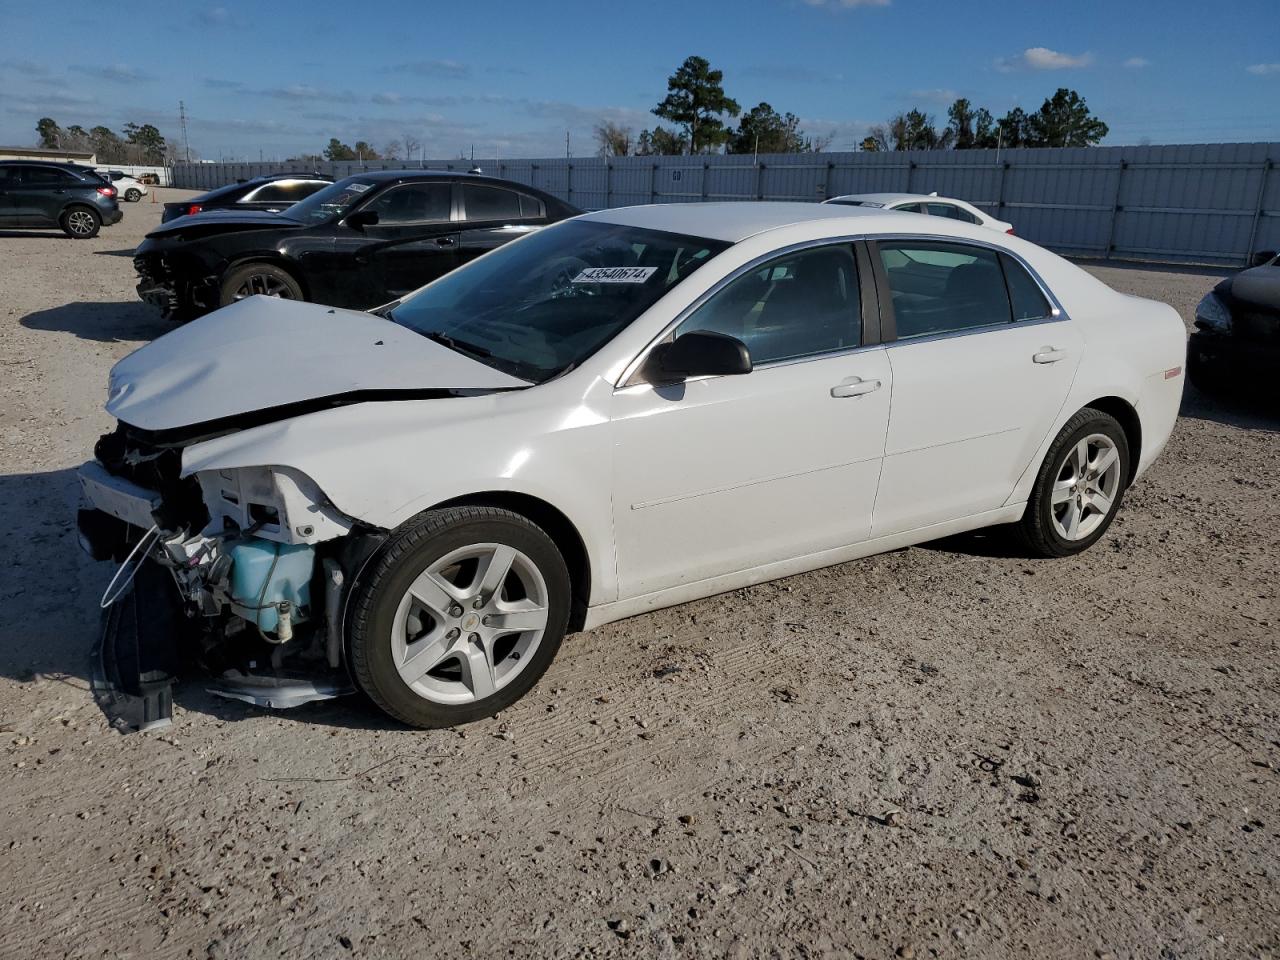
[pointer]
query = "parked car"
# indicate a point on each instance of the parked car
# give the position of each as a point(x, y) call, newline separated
point(1235, 348)
point(628, 410)
point(41, 194)
point(357, 243)
point(929, 204)
point(271, 194)
point(127, 188)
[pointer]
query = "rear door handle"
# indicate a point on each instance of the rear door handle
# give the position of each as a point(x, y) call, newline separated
point(1049, 355)
point(854, 387)
point(445, 241)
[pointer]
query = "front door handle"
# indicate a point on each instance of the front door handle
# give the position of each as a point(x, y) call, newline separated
point(1049, 355)
point(444, 241)
point(854, 387)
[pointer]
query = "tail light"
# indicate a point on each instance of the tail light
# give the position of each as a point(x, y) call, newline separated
point(1010, 231)
point(193, 209)
point(107, 191)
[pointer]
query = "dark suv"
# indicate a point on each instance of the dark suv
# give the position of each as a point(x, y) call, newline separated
point(36, 194)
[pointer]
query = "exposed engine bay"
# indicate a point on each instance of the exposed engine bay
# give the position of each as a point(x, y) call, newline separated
point(240, 572)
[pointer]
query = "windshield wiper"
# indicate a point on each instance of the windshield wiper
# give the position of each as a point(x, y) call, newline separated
point(459, 346)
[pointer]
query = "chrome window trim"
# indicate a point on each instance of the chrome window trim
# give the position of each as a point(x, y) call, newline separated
point(629, 372)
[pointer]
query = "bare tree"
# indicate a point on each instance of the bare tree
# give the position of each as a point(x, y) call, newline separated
point(392, 150)
point(614, 140)
point(411, 146)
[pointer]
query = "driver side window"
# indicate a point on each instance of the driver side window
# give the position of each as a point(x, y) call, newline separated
point(802, 304)
point(414, 203)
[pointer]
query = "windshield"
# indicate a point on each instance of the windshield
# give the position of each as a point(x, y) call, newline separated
point(333, 201)
point(541, 305)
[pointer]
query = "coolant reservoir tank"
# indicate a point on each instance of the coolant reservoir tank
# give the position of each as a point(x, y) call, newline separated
point(264, 573)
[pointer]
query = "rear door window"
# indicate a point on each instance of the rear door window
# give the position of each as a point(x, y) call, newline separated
point(483, 202)
point(944, 287)
point(1029, 302)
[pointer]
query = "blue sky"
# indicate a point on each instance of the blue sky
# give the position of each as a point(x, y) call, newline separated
point(509, 78)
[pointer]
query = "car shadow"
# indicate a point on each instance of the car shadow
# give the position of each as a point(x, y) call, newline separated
point(107, 322)
point(996, 543)
point(49, 616)
point(1244, 412)
point(128, 252)
point(49, 234)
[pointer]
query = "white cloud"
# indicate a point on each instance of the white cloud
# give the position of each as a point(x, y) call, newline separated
point(1042, 58)
point(940, 95)
point(1137, 63)
point(1262, 69)
point(846, 4)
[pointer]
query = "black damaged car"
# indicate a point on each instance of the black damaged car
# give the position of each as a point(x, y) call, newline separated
point(358, 243)
point(1235, 348)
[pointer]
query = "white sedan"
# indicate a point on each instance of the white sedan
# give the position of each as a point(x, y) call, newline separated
point(631, 409)
point(127, 187)
point(929, 204)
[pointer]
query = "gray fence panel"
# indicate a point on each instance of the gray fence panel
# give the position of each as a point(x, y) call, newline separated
point(1184, 203)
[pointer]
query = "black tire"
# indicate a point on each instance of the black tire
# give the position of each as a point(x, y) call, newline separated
point(1207, 376)
point(1038, 530)
point(133, 195)
point(274, 281)
point(80, 223)
point(378, 593)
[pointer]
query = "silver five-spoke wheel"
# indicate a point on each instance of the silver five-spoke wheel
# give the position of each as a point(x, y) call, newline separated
point(470, 623)
point(1086, 486)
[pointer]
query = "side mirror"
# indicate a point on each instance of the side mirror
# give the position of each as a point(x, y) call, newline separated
point(700, 353)
point(1261, 257)
point(361, 219)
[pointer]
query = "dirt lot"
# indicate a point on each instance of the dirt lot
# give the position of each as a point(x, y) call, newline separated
point(947, 751)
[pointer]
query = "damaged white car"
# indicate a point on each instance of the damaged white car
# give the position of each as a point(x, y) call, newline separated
point(627, 410)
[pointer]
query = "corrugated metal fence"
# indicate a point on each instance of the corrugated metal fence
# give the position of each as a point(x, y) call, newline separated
point(1196, 203)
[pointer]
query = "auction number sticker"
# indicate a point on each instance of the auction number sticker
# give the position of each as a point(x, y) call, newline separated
point(615, 275)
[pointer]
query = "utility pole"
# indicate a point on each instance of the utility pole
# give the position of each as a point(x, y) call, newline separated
point(182, 120)
point(566, 144)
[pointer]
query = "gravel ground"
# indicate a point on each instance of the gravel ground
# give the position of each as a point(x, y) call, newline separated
point(946, 751)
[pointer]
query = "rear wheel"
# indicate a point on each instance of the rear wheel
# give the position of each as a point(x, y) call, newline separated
point(258, 279)
point(133, 195)
point(459, 616)
point(81, 223)
point(1079, 487)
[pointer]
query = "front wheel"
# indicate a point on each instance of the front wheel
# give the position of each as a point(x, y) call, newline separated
point(258, 279)
point(459, 616)
point(1079, 487)
point(81, 223)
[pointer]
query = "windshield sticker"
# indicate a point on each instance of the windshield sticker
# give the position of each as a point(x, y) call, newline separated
point(359, 187)
point(615, 275)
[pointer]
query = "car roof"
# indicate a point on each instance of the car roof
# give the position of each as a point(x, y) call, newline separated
point(61, 165)
point(888, 198)
point(734, 221)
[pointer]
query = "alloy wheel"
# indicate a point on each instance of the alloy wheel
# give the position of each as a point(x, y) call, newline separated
point(470, 623)
point(263, 284)
point(1086, 486)
point(80, 222)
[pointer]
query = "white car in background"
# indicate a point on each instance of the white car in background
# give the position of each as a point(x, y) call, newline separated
point(127, 187)
point(930, 204)
point(624, 411)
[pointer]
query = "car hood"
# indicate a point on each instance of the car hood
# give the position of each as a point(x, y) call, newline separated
point(222, 221)
point(1257, 288)
point(265, 359)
